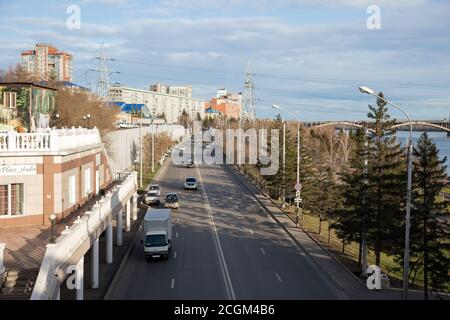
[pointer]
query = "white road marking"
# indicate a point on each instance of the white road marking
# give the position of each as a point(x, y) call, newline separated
point(278, 277)
point(175, 254)
point(223, 263)
point(172, 283)
point(262, 251)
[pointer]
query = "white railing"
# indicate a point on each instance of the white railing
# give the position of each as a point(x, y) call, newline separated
point(92, 223)
point(48, 140)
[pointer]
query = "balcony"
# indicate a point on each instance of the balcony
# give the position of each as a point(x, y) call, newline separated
point(49, 140)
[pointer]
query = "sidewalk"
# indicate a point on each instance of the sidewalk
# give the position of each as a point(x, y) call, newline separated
point(350, 286)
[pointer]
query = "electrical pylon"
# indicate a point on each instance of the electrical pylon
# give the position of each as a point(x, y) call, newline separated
point(248, 113)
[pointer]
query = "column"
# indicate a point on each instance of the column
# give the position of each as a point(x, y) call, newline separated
point(135, 208)
point(2, 266)
point(58, 294)
point(119, 228)
point(94, 264)
point(109, 242)
point(80, 279)
point(128, 216)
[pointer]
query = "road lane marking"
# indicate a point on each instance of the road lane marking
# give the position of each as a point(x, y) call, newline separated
point(278, 277)
point(262, 251)
point(222, 262)
point(175, 254)
point(172, 284)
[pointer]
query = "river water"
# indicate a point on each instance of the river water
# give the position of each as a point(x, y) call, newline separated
point(439, 138)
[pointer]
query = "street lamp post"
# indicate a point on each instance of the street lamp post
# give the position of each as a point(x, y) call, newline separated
point(88, 116)
point(298, 185)
point(408, 191)
point(84, 121)
point(141, 148)
point(52, 219)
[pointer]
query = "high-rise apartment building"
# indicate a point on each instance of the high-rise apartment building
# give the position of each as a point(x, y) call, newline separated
point(227, 104)
point(46, 63)
point(182, 91)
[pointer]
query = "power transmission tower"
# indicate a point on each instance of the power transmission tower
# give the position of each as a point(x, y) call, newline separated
point(248, 113)
point(102, 84)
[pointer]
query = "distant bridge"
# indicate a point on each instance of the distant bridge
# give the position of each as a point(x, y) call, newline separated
point(418, 125)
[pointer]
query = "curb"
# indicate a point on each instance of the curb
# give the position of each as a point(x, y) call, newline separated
point(115, 279)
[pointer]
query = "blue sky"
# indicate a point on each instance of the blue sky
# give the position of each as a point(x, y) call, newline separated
point(307, 55)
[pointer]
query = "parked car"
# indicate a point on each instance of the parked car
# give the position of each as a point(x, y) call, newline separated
point(190, 184)
point(190, 164)
point(172, 201)
point(152, 198)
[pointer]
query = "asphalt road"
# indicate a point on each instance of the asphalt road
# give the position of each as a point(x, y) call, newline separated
point(225, 246)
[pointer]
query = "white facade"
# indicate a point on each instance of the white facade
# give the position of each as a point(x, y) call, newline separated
point(158, 103)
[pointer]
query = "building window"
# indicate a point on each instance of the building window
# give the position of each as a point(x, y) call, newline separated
point(72, 190)
point(9, 99)
point(11, 199)
point(87, 181)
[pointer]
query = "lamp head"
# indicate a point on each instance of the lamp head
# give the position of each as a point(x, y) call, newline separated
point(366, 90)
point(275, 106)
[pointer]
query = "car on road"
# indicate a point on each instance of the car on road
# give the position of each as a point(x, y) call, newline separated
point(190, 184)
point(152, 198)
point(154, 187)
point(172, 201)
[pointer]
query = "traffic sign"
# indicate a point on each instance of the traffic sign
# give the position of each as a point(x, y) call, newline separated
point(298, 186)
point(298, 200)
point(297, 194)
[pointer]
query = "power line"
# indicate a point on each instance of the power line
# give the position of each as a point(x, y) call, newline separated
point(301, 79)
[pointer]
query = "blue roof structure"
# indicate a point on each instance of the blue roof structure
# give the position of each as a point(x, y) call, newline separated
point(130, 107)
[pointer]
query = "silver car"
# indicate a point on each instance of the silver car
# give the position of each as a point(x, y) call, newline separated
point(190, 184)
point(152, 198)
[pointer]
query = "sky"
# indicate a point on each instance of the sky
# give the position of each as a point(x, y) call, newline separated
point(307, 56)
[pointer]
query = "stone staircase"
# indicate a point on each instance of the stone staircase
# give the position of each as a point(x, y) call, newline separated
point(17, 285)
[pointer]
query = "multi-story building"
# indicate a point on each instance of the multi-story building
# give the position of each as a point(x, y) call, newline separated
point(228, 104)
point(160, 104)
point(46, 63)
point(183, 91)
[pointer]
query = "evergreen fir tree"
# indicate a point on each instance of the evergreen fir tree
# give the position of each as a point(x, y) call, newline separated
point(429, 233)
point(386, 185)
point(349, 221)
